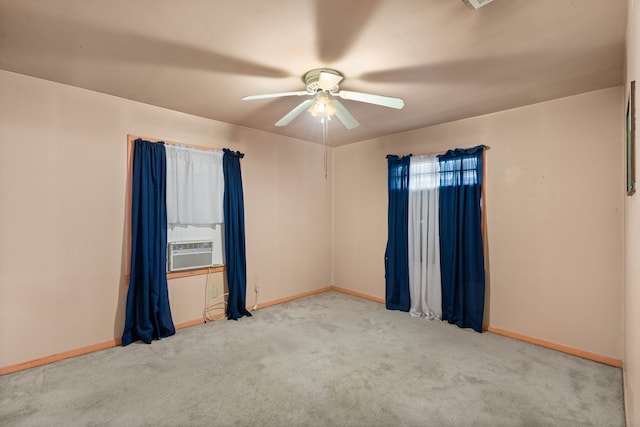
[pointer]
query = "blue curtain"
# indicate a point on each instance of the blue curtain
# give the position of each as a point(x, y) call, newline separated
point(396, 258)
point(235, 252)
point(461, 248)
point(148, 315)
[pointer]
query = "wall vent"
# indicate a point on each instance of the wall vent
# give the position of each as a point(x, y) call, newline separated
point(188, 255)
point(477, 4)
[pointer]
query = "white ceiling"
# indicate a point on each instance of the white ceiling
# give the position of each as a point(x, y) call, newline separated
point(445, 59)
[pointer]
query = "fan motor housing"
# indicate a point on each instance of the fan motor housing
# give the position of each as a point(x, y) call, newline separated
point(311, 79)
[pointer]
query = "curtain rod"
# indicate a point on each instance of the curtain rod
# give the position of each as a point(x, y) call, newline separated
point(437, 153)
point(131, 138)
point(432, 153)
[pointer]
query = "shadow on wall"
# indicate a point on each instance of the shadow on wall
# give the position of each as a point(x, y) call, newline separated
point(118, 321)
point(123, 286)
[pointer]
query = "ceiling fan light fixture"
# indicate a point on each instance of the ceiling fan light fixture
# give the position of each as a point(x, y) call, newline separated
point(322, 106)
point(322, 84)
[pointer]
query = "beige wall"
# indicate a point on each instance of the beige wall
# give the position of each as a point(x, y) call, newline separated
point(555, 228)
point(62, 208)
point(554, 203)
point(632, 243)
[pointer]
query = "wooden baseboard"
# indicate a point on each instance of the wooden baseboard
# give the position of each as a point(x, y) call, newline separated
point(315, 292)
point(357, 294)
point(84, 350)
point(563, 348)
point(57, 357)
point(215, 317)
point(116, 342)
point(291, 298)
point(193, 322)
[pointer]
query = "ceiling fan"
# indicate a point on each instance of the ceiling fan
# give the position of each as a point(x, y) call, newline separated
point(322, 84)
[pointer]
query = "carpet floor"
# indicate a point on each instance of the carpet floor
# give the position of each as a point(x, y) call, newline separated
point(326, 360)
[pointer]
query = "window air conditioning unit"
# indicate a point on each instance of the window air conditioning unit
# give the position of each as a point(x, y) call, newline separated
point(189, 255)
point(477, 4)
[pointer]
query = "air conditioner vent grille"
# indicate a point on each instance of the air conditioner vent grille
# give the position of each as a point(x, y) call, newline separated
point(189, 255)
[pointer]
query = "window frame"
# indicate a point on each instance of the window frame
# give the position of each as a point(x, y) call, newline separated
point(127, 226)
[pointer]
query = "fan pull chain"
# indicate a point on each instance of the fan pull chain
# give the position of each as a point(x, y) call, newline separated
point(325, 131)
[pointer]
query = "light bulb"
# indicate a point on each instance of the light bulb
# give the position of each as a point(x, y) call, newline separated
point(322, 105)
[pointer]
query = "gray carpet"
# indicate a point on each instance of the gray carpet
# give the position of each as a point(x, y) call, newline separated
point(325, 360)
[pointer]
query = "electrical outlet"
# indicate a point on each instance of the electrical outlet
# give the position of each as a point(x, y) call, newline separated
point(214, 293)
point(256, 287)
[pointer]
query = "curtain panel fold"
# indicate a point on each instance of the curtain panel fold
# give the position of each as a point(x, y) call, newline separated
point(396, 259)
point(148, 314)
point(195, 185)
point(234, 235)
point(434, 259)
point(461, 246)
point(424, 238)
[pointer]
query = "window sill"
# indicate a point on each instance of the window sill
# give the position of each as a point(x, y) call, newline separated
point(189, 273)
point(195, 272)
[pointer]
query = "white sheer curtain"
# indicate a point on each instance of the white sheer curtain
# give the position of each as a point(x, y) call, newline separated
point(195, 186)
point(424, 244)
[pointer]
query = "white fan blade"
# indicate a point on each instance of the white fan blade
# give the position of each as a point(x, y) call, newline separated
point(328, 81)
point(275, 95)
point(345, 116)
point(294, 113)
point(385, 101)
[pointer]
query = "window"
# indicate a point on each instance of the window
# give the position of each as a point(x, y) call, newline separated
point(190, 192)
point(195, 190)
point(456, 172)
